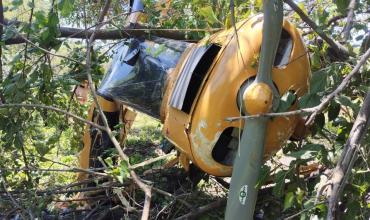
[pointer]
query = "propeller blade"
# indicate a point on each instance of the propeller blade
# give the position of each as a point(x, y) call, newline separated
point(247, 164)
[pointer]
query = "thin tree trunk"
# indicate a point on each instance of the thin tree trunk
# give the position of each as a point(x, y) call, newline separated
point(348, 157)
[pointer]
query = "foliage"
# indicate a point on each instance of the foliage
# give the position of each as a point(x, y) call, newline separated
point(35, 138)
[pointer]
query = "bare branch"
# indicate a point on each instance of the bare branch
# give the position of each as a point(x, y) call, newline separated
point(148, 195)
point(72, 170)
point(173, 197)
point(325, 102)
point(35, 106)
point(302, 211)
point(152, 160)
point(350, 16)
point(339, 49)
point(203, 209)
point(15, 203)
point(116, 34)
point(1, 35)
point(142, 185)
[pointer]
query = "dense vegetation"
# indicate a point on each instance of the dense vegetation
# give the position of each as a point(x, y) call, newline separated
point(35, 140)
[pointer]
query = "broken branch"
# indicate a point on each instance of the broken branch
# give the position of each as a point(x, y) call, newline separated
point(339, 48)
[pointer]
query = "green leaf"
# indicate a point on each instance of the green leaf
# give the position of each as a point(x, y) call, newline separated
point(9, 32)
point(41, 148)
point(286, 101)
point(264, 175)
point(124, 172)
point(209, 15)
point(333, 112)
point(309, 100)
point(288, 200)
point(19, 141)
point(17, 3)
point(342, 5)
point(318, 82)
point(344, 100)
point(307, 151)
point(280, 183)
point(320, 121)
point(66, 7)
point(31, 4)
point(109, 161)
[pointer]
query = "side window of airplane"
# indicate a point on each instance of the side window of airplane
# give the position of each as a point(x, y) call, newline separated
point(192, 75)
point(284, 50)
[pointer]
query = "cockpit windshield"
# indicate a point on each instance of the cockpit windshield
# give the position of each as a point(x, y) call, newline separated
point(138, 72)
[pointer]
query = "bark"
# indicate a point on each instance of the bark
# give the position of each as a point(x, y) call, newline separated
point(350, 16)
point(1, 35)
point(203, 209)
point(348, 157)
point(140, 31)
point(338, 48)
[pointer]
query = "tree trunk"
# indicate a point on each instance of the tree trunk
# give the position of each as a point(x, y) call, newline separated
point(348, 157)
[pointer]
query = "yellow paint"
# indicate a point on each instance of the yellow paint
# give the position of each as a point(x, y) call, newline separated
point(84, 157)
point(195, 134)
point(258, 98)
point(184, 161)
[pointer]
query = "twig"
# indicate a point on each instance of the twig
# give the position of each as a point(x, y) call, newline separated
point(25, 39)
point(148, 195)
point(203, 209)
point(52, 192)
point(302, 211)
point(72, 170)
point(330, 22)
point(1, 49)
point(319, 108)
point(98, 206)
point(348, 157)
point(175, 198)
point(15, 203)
point(142, 185)
point(28, 36)
point(33, 106)
point(81, 199)
point(339, 49)
point(350, 16)
point(335, 19)
point(320, 191)
point(152, 160)
point(92, 86)
point(304, 111)
point(232, 19)
point(325, 102)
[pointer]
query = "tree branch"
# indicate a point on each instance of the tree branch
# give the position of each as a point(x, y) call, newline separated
point(77, 33)
point(203, 209)
point(142, 185)
point(350, 16)
point(348, 157)
point(152, 160)
point(325, 102)
point(15, 203)
point(338, 48)
point(1, 36)
point(33, 106)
